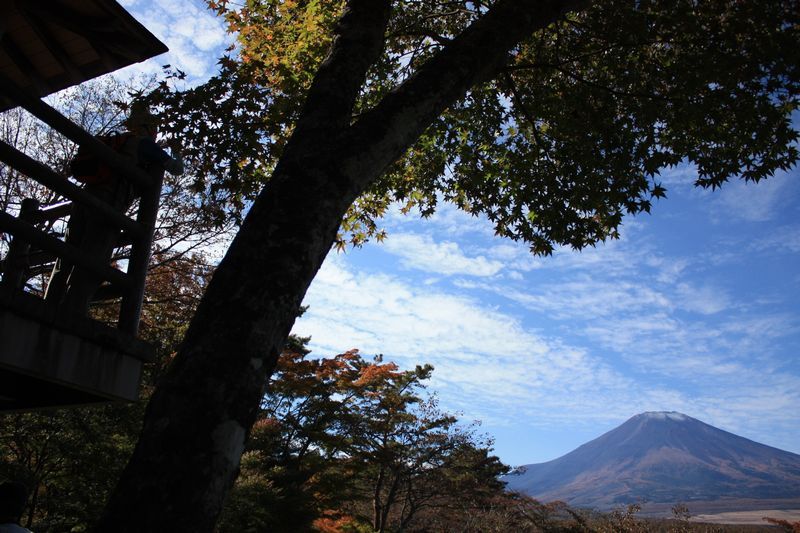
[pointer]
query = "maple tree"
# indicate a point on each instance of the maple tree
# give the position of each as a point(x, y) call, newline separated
point(350, 441)
point(552, 118)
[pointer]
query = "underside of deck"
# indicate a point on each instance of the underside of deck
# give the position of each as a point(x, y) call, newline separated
point(48, 359)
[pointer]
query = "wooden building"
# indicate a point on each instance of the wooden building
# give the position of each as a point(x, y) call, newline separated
point(49, 357)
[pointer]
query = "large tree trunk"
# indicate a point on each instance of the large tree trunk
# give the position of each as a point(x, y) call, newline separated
point(198, 419)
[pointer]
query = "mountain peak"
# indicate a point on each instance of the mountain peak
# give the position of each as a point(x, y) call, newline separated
point(663, 457)
point(664, 415)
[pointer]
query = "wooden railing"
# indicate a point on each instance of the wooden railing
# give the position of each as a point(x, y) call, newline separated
point(29, 239)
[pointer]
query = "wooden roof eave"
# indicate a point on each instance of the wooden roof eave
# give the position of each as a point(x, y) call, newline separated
point(49, 45)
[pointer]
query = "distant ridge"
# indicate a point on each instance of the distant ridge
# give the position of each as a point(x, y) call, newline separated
point(663, 457)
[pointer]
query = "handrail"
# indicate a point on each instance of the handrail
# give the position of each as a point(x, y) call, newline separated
point(52, 212)
point(70, 253)
point(47, 177)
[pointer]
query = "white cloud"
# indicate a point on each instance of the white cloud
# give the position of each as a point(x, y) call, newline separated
point(194, 35)
point(681, 176)
point(415, 320)
point(516, 276)
point(478, 351)
point(423, 253)
point(581, 297)
point(705, 300)
point(660, 331)
point(753, 202)
point(481, 352)
point(781, 239)
point(668, 270)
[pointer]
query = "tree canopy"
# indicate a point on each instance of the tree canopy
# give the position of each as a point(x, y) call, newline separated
point(568, 135)
point(344, 440)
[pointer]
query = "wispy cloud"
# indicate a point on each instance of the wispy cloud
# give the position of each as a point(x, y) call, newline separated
point(754, 202)
point(784, 238)
point(445, 257)
point(580, 339)
point(518, 373)
point(447, 219)
point(195, 36)
point(680, 176)
point(706, 299)
point(476, 349)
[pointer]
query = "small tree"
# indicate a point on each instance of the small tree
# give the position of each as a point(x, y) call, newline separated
point(785, 525)
point(344, 436)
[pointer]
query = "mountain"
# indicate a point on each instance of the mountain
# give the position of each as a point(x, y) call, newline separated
point(663, 457)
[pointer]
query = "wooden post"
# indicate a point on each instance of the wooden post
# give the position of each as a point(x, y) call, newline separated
point(14, 267)
point(131, 308)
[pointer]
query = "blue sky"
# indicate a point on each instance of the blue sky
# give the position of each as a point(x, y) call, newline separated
point(695, 309)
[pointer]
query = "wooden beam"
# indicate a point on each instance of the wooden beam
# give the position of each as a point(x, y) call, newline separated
point(53, 46)
point(40, 257)
point(27, 305)
point(30, 234)
point(53, 212)
point(107, 292)
point(44, 175)
point(130, 26)
point(102, 33)
point(21, 61)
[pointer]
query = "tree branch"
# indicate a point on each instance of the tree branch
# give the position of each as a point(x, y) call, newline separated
point(615, 92)
point(526, 113)
point(357, 45)
point(471, 58)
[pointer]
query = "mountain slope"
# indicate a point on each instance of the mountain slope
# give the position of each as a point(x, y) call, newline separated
point(662, 457)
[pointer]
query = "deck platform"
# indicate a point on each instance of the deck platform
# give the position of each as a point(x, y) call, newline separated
point(50, 360)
